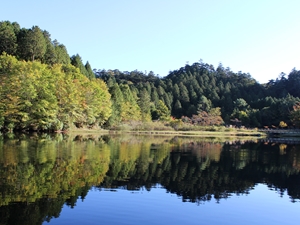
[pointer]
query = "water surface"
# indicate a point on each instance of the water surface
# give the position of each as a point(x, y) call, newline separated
point(147, 180)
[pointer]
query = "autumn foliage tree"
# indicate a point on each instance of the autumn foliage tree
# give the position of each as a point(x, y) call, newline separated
point(295, 115)
point(203, 118)
point(37, 97)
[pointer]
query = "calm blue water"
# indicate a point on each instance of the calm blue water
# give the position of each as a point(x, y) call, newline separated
point(260, 206)
point(147, 180)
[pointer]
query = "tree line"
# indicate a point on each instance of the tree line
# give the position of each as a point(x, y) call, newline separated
point(43, 88)
point(201, 94)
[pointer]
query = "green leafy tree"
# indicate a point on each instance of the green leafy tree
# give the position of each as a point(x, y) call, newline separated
point(89, 70)
point(167, 100)
point(160, 91)
point(162, 111)
point(193, 95)
point(117, 100)
point(32, 44)
point(28, 95)
point(130, 109)
point(240, 111)
point(204, 104)
point(184, 94)
point(62, 56)
point(81, 101)
point(69, 96)
point(144, 104)
point(56, 53)
point(97, 104)
point(177, 109)
point(8, 38)
point(176, 92)
point(154, 96)
point(77, 62)
point(241, 104)
point(50, 54)
point(38, 97)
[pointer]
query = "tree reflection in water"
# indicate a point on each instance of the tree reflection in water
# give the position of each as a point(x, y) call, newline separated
point(39, 174)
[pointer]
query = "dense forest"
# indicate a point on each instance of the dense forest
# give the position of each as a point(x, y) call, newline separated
point(43, 88)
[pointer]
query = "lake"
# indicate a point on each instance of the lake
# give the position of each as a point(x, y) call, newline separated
point(127, 179)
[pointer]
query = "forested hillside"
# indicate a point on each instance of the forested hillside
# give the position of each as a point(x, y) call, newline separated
point(43, 88)
point(35, 44)
point(197, 92)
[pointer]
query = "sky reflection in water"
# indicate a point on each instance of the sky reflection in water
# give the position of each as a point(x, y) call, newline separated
point(260, 206)
point(147, 181)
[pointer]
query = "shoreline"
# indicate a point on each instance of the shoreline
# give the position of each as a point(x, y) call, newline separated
point(237, 133)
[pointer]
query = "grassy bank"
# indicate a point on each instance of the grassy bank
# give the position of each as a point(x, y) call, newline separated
point(161, 128)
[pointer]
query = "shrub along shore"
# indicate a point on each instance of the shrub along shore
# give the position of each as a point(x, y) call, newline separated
point(163, 128)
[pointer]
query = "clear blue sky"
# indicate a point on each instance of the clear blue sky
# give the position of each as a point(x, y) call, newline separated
point(260, 37)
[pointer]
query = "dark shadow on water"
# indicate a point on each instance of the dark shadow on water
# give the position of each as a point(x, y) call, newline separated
point(41, 174)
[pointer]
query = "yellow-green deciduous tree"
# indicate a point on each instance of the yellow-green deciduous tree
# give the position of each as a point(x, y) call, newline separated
point(162, 111)
point(130, 109)
point(38, 97)
point(27, 94)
